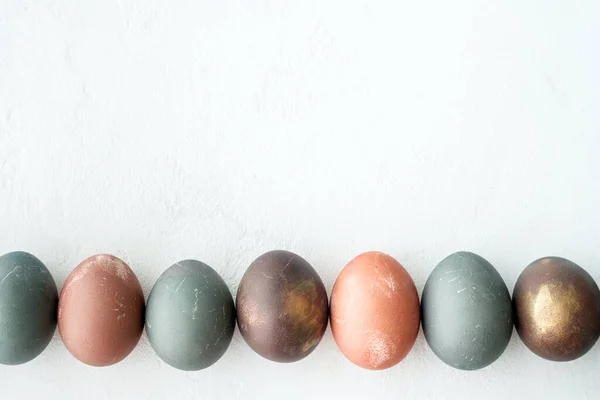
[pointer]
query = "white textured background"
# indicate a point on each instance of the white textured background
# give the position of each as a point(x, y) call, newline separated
point(219, 129)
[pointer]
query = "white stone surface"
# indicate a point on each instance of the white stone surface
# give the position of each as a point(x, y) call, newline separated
point(219, 129)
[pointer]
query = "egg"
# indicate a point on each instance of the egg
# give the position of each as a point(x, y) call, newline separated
point(190, 316)
point(101, 311)
point(28, 301)
point(466, 312)
point(374, 311)
point(557, 309)
point(282, 306)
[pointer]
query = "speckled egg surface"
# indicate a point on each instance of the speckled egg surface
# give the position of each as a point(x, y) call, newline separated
point(28, 302)
point(190, 317)
point(374, 311)
point(466, 311)
point(282, 306)
point(101, 311)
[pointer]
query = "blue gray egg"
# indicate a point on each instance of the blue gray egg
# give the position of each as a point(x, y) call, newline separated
point(28, 307)
point(466, 312)
point(190, 316)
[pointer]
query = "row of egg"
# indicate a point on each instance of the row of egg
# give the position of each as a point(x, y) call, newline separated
point(282, 310)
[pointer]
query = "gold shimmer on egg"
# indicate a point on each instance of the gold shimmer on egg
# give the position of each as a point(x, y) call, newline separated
point(553, 307)
point(282, 306)
point(305, 313)
point(557, 309)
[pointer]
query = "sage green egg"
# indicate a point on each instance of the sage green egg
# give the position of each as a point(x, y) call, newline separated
point(28, 307)
point(190, 316)
point(466, 312)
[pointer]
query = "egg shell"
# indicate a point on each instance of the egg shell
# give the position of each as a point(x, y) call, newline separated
point(101, 311)
point(374, 311)
point(28, 303)
point(282, 306)
point(557, 309)
point(466, 311)
point(190, 316)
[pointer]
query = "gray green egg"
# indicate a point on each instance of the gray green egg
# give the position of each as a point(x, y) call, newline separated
point(190, 316)
point(28, 307)
point(466, 312)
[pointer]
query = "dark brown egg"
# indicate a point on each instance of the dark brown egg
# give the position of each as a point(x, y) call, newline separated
point(557, 309)
point(375, 312)
point(282, 306)
point(101, 311)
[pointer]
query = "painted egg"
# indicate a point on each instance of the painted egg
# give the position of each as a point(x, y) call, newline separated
point(190, 317)
point(28, 301)
point(466, 312)
point(557, 309)
point(282, 306)
point(101, 311)
point(374, 311)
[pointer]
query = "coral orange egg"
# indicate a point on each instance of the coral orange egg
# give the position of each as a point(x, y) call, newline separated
point(375, 311)
point(101, 311)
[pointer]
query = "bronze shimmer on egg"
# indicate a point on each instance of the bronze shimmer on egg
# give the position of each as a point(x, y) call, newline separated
point(282, 306)
point(557, 309)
